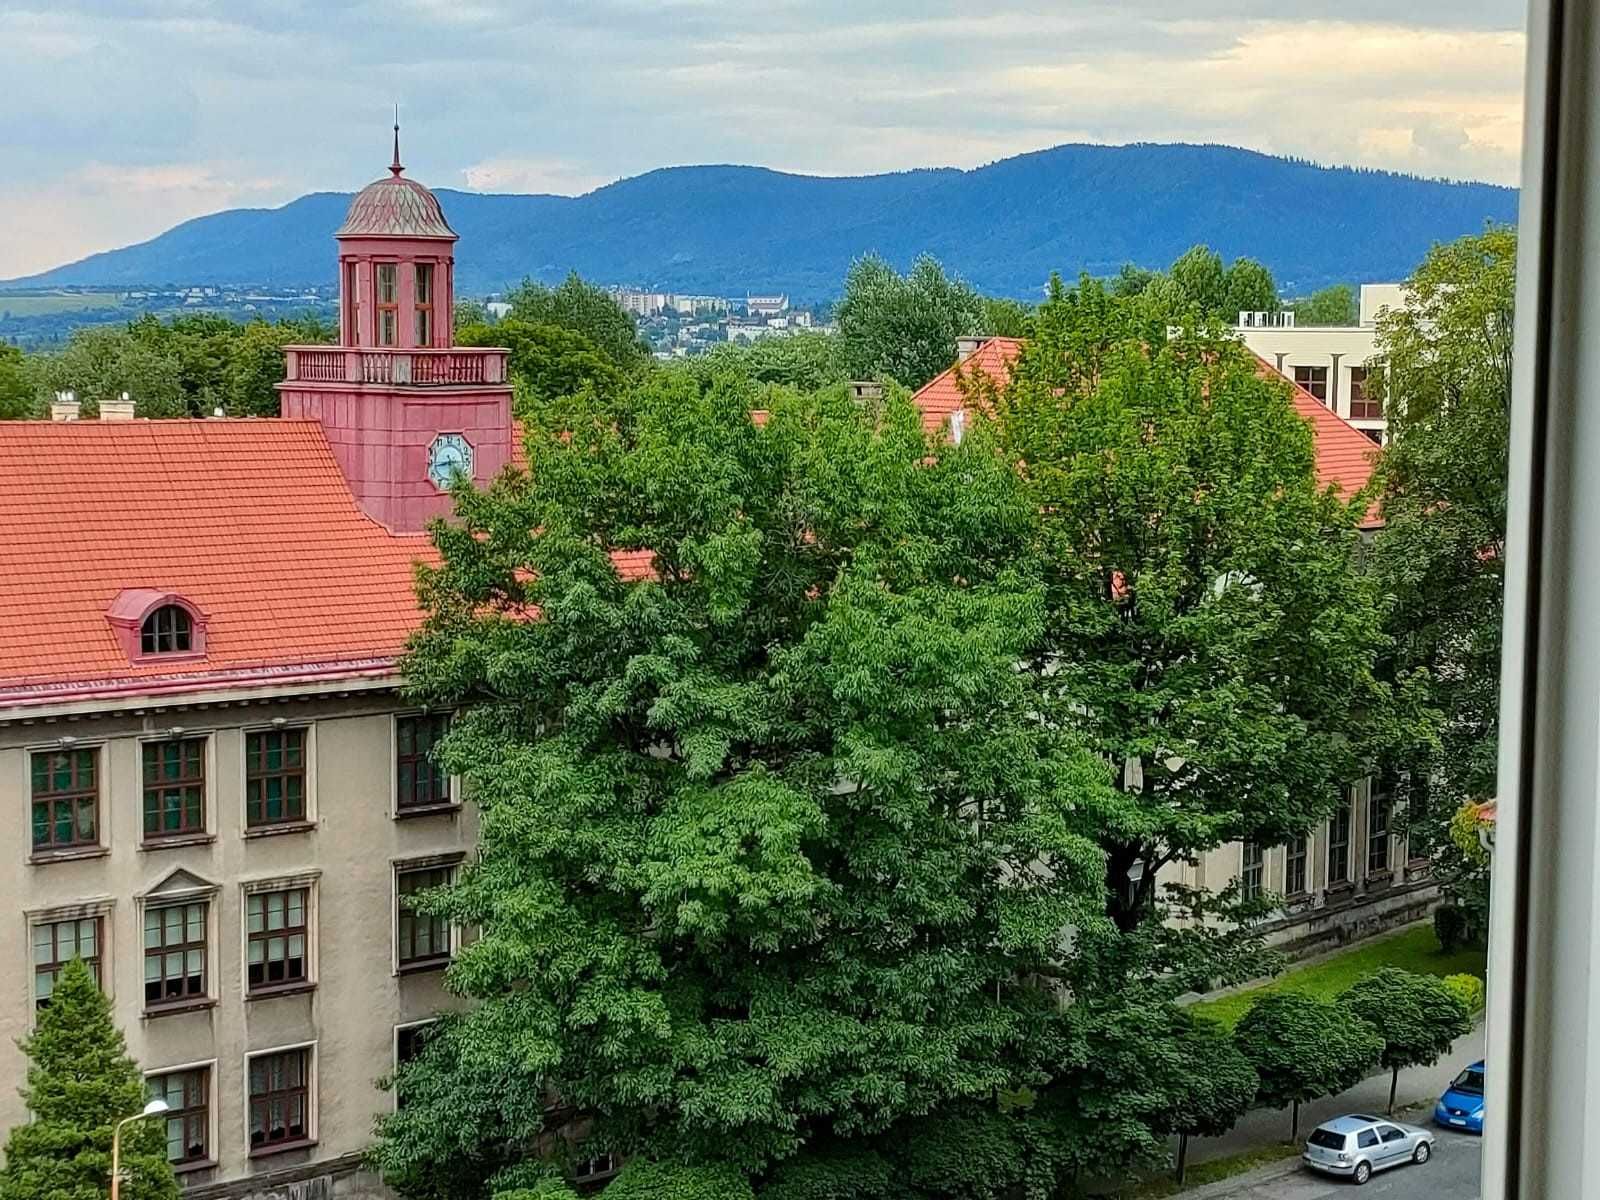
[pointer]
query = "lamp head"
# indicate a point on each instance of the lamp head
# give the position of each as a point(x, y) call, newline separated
point(155, 1108)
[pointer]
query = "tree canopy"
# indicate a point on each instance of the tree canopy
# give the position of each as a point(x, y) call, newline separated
point(903, 327)
point(585, 309)
point(1303, 1047)
point(1333, 305)
point(546, 361)
point(80, 1083)
point(1417, 1016)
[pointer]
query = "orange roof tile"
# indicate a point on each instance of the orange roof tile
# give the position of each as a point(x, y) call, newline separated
point(1344, 453)
point(249, 520)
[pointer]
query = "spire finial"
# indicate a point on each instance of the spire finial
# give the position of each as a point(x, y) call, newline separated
point(394, 167)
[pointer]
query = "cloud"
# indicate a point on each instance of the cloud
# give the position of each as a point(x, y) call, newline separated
point(259, 100)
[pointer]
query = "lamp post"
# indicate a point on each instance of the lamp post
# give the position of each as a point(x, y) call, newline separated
point(152, 1109)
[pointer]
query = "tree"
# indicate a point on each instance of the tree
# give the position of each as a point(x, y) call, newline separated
point(1003, 317)
point(903, 326)
point(755, 824)
point(806, 361)
point(80, 1083)
point(1333, 305)
point(585, 309)
point(1248, 287)
point(17, 401)
point(1200, 277)
point(1216, 1087)
point(1208, 630)
point(546, 361)
point(1303, 1047)
point(1440, 557)
point(1417, 1016)
point(642, 1179)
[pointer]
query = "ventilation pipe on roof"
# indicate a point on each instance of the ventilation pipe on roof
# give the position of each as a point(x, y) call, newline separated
point(120, 409)
point(64, 407)
point(967, 346)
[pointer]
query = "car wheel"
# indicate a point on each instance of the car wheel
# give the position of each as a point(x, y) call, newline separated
point(1423, 1152)
point(1363, 1173)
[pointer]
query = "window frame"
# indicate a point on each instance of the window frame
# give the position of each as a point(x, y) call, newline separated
point(1311, 384)
point(395, 1062)
point(77, 848)
point(1380, 804)
point(306, 1089)
point(382, 308)
point(180, 629)
point(207, 1070)
point(308, 882)
point(308, 817)
point(97, 915)
point(1371, 407)
point(1343, 816)
point(422, 309)
point(206, 831)
point(163, 905)
point(1252, 870)
point(452, 801)
point(448, 864)
point(1292, 857)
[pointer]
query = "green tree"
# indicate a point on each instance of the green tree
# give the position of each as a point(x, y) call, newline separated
point(642, 1179)
point(546, 361)
point(1304, 1047)
point(1200, 277)
point(1333, 305)
point(806, 361)
point(1131, 281)
point(100, 362)
point(80, 1083)
point(1418, 1017)
point(1440, 557)
point(1004, 317)
point(903, 326)
point(1208, 630)
point(17, 398)
point(1248, 287)
point(584, 309)
point(1216, 1085)
point(756, 824)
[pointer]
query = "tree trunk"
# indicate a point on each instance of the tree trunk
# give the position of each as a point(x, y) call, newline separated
point(1394, 1082)
point(1183, 1156)
point(1294, 1123)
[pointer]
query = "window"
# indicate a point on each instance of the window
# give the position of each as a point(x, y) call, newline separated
point(352, 299)
point(55, 944)
point(275, 777)
point(174, 788)
point(174, 954)
point(421, 941)
point(409, 1040)
point(1251, 875)
point(1367, 1139)
point(1378, 833)
point(420, 782)
point(280, 1099)
point(1295, 855)
point(66, 799)
point(1314, 380)
point(386, 282)
point(1362, 406)
point(424, 305)
point(188, 1097)
point(276, 938)
point(595, 1167)
point(1339, 844)
point(168, 630)
point(1391, 1134)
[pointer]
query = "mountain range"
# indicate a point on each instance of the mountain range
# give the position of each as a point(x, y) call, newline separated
point(1004, 227)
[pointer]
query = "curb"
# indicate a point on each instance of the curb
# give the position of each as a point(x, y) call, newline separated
point(1224, 1189)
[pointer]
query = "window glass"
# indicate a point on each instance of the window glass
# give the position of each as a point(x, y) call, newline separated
point(276, 937)
point(422, 940)
point(275, 777)
point(420, 781)
point(174, 787)
point(168, 630)
point(1327, 1139)
point(174, 954)
point(1367, 1139)
point(188, 1119)
point(279, 1099)
point(66, 799)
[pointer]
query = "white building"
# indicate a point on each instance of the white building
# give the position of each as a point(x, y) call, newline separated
point(1329, 361)
point(766, 306)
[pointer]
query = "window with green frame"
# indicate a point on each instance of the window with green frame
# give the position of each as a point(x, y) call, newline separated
point(174, 788)
point(66, 799)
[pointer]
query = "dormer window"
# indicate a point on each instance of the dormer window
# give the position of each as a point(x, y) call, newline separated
point(168, 630)
point(154, 624)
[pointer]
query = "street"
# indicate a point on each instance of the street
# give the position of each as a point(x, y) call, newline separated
point(1452, 1174)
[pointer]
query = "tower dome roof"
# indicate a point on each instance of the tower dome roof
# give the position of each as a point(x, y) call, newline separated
point(395, 207)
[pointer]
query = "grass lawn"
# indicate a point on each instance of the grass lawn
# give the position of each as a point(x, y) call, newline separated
point(1212, 1171)
point(1413, 949)
point(37, 304)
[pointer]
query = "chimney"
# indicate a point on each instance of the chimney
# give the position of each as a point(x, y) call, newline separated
point(967, 346)
point(866, 389)
point(120, 409)
point(64, 407)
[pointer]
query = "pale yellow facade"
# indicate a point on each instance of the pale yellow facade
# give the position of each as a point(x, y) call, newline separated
point(344, 862)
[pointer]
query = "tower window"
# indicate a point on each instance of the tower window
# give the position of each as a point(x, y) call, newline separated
point(168, 630)
point(387, 285)
point(424, 307)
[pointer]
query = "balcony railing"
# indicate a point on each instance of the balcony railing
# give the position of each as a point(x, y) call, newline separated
point(413, 368)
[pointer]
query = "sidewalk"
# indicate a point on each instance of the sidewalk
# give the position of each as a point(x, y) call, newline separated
point(1262, 1127)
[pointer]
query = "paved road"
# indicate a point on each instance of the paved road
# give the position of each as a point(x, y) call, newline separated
point(1452, 1174)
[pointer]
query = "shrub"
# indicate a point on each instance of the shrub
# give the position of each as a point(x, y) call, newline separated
point(1453, 927)
point(1468, 989)
point(1418, 1017)
point(641, 1179)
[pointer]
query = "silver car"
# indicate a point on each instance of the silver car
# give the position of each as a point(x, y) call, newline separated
point(1354, 1147)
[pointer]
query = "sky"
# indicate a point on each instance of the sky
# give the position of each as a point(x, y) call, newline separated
point(124, 118)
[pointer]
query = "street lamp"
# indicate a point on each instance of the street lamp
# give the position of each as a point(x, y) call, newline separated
point(153, 1109)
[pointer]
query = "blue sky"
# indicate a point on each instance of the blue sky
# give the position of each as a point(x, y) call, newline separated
point(124, 118)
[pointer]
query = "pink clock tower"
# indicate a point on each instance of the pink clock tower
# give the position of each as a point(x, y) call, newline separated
point(403, 409)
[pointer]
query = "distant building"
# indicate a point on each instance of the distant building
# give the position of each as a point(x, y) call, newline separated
point(1329, 361)
point(766, 306)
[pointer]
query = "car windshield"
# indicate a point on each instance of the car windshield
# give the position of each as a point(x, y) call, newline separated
point(1327, 1139)
point(1470, 1080)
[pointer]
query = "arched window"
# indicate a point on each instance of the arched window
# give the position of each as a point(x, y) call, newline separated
point(168, 630)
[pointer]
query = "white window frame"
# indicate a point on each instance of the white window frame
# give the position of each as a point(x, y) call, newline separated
point(310, 881)
point(312, 1090)
point(209, 1065)
point(277, 724)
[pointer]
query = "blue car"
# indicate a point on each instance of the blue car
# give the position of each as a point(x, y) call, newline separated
point(1461, 1106)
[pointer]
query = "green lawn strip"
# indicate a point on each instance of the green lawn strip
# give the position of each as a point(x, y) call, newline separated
point(1414, 949)
point(1211, 1171)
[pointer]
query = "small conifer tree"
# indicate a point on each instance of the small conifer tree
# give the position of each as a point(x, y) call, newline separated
point(80, 1083)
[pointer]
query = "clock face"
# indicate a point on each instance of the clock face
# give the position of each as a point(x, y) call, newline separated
point(449, 455)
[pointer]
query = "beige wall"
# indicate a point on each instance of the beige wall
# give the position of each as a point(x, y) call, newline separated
point(1337, 348)
point(347, 858)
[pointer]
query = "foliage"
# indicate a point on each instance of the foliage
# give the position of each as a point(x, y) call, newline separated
point(1207, 629)
point(642, 1179)
point(1248, 287)
point(806, 361)
point(1465, 829)
point(1457, 927)
point(754, 827)
point(1198, 286)
point(1004, 317)
point(1222, 1083)
point(1440, 557)
point(546, 1189)
point(80, 1083)
point(585, 309)
point(1468, 989)
point(1412, 949)
point(903, 326)
point(546, 361)
point(850, 1172)
point(1303, 1047)
point(1417, 1016)
point(1333, 305)
point(17, 401)
point(1202, 279)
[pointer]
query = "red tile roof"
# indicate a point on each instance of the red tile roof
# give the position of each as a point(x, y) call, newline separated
point(1344, 453)
point(249, 520)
